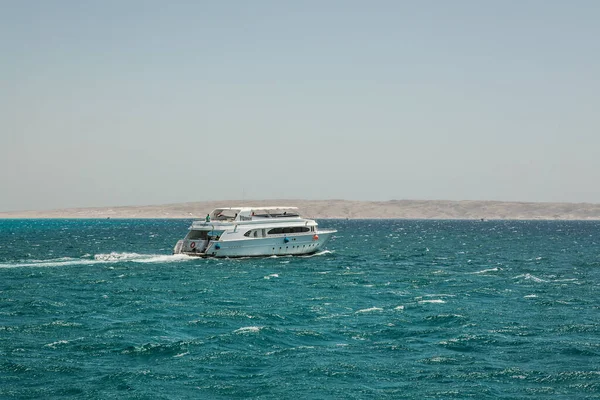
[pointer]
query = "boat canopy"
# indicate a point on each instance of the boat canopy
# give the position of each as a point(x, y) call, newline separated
point(249, 213)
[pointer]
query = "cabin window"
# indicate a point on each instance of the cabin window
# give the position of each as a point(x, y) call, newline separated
point(196, 235)
point(247, 234)
point(293, 229)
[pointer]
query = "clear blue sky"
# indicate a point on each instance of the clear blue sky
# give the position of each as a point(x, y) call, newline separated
point(149, 102)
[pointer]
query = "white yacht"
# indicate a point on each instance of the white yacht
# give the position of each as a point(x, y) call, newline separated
point(253, 231)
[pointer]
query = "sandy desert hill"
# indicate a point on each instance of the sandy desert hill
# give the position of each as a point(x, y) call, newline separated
point(405, 209)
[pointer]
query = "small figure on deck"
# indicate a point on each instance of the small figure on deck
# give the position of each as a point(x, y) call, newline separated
point(207, 217)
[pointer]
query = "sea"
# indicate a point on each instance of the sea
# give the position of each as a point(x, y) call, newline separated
point(392, 309)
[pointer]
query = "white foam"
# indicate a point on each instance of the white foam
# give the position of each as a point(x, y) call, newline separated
point(530, 277)
point(368, 310)
point(50, 263)
point(248, 329)
point(163, 258)
point(434, 301)
point(271, 276)
point(438, 359)
point(109, 258)
point(485, 271)
point(115, 257)
point(530, 296)
point(56, 343)
point(319, 253)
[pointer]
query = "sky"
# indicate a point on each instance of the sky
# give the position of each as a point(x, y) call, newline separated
point(107, 103)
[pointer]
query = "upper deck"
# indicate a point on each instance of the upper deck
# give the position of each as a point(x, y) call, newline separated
point(249, 215)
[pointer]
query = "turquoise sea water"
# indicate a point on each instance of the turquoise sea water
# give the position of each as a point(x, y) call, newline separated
point(394, 309)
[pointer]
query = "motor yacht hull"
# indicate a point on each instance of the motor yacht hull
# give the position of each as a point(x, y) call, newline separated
point(253, 232)
point(260, 247)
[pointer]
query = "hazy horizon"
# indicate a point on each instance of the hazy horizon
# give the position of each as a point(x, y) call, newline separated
point(165, 207)
point(142, 103)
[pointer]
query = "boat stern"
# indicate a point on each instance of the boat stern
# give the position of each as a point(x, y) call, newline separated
point(178, 247)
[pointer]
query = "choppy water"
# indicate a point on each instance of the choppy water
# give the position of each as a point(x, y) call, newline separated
point(394, 309)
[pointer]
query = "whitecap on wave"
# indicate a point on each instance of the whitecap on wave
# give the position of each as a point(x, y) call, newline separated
point(248, 329)
point(319, 253)
point(433, 301)
point(530, 277)
point(368, 310)
point(486, 271)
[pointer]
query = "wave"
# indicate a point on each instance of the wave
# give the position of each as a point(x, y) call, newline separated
point(540, 280)
point(485, 271)
point(61, 342)
point(248, 329)
point(530, 277)
point(319, 253)
point(108, 258)
point(368, 310)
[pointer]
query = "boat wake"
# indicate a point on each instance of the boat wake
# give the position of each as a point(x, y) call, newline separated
point(115, 257)
point(108, 258)
point(141, 258)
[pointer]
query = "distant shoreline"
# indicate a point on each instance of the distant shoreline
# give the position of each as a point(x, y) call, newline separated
point(340, 209)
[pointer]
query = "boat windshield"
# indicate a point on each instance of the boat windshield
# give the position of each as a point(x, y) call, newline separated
point(224, 214)
point(196, 235)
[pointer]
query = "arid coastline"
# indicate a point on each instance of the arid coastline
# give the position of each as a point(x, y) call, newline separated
point(402, 209)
